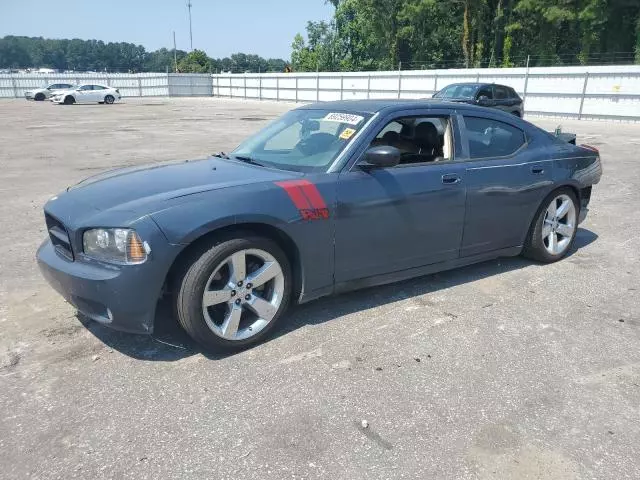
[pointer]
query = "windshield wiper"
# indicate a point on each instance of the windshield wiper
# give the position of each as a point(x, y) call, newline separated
point(249, 160)
point(221, 155)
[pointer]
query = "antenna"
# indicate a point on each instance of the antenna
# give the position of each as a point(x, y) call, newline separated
point(190, 30)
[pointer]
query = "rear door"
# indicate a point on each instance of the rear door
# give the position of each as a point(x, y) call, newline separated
point(411, 215)
point(99, 92)
point(507, 176)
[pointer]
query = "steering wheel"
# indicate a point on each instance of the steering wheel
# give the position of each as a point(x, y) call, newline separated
point(316, 143)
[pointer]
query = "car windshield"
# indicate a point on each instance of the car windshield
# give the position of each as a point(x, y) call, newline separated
point(458, 91)
point(306, 140)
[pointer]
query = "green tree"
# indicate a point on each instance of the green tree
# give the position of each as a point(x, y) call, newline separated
point(195, 61)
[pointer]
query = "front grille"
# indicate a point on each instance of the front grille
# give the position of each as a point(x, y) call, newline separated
point(59, 236)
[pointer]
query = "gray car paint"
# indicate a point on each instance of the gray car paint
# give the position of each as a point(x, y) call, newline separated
point(383, 225)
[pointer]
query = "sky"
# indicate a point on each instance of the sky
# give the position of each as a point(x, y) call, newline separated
point(220, 27)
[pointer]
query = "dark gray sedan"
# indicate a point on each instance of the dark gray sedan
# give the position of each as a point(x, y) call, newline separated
point(329, 197)
point(490, 95)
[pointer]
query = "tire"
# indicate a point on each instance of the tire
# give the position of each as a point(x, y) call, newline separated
point(559, 231)
point(39, 97)
point(69, 100)
point(109, 99)
point(516, 113)
point(213, 270)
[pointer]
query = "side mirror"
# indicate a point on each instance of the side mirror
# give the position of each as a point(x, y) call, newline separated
point(483, 100)
point(382, 157)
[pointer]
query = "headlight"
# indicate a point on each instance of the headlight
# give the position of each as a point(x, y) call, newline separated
point(117, 245)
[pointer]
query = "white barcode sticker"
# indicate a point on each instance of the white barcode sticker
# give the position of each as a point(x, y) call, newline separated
point(347, 118)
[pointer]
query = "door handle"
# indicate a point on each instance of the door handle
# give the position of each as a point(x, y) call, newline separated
point(450, 178)
point(537, 170)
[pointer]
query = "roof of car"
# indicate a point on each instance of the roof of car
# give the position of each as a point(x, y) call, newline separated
point(374, 106)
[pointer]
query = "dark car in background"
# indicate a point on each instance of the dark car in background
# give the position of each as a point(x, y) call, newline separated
point(484, 94)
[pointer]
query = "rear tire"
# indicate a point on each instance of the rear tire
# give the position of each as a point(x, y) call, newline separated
point(69, 100)
point(554, 227)
point(216, 302)
point(39, 97)
point(109, 99)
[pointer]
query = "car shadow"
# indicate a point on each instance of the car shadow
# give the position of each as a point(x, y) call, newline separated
point(170, 343)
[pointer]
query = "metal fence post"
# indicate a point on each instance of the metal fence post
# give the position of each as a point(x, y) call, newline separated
point(317, 86)
point(584, 91)
point(399, 78)
point(139, 85)
point(260, 87)
point(245, 86)
point(296, 89)
point(369, 85)
point(435, 83)
point(15, 86)
point(526, 80)
point(341, 86)
point(230, 86)
point(478, 77)
point(277, 89)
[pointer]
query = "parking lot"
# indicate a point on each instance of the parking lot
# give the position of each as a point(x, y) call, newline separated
point(503, 370)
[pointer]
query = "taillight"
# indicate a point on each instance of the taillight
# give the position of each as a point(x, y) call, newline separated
point(589, 147)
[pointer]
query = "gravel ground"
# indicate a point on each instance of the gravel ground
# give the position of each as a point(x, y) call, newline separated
point(502, 370)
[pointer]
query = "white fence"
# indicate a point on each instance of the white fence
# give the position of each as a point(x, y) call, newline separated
point(581, 92)
point(609, 92)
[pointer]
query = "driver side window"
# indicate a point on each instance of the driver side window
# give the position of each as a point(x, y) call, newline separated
point(419, 139)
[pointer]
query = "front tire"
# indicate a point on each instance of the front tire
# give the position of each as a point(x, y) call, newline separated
point(39, 97)
point(69, 100)
point(109, 99)
point(232, 294)
point(554, 228)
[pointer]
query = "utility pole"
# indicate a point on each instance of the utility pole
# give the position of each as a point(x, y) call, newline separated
point(190, 30)
point(175, 54)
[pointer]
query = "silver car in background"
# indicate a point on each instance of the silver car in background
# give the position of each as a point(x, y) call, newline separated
point(40, 94)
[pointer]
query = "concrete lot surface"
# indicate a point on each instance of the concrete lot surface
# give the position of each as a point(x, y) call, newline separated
point(503, 370)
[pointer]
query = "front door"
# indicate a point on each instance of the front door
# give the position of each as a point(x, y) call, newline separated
point(411, 215)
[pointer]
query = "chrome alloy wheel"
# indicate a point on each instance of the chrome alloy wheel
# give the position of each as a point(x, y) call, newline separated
point(243, 294)
point(559, 224)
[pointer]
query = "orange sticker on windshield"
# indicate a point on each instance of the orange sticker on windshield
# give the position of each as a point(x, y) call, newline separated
point(347, 133)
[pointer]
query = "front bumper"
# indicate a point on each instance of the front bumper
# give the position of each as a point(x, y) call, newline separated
point(122, 297)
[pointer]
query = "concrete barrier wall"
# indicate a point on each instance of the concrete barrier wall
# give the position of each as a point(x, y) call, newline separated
point(580, 92)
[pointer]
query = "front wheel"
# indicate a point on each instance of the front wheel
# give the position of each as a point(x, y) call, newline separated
point(231, 295)
point(554, 228)
point(39, 97)
point(109, 99)
point(69, 100)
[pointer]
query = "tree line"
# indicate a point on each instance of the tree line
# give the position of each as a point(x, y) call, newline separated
point(388, 34)
point(96, 55)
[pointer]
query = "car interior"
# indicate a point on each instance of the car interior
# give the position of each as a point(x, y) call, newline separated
point(419, 139)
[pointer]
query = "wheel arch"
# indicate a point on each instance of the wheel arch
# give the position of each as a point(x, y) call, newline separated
point(198, 244)
point(574, 188)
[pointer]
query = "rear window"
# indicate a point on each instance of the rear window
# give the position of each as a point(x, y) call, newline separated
point(490, 138)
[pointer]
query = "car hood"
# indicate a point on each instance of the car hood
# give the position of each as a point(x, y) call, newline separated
point(147, 189)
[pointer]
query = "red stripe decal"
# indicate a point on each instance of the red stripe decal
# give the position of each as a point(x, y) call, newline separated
point(312, 193)
point(306, 198)
point(295, 194)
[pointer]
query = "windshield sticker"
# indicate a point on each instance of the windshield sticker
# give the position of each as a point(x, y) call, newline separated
point(347, 133)
point(347, 118)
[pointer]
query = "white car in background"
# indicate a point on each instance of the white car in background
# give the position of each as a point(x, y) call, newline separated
point(40, 94)
point(89, 93)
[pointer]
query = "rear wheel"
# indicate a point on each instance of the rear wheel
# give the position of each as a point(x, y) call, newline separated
point(232, 294)
point(109, 99)
point(39, 97)
point(69, 100)
point(554, 228)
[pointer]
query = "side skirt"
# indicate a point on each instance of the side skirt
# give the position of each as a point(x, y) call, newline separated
point(409, 273)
